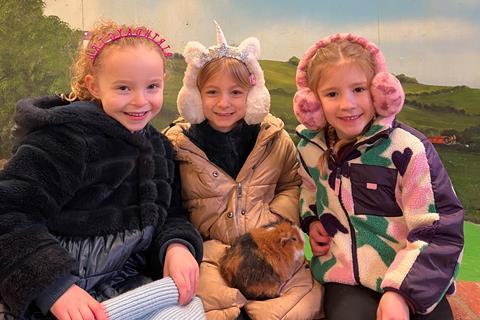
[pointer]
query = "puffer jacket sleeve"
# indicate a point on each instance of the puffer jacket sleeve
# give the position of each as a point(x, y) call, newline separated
point(425, 269)
point(42, 175)
point(285, 202)
point(176, 228)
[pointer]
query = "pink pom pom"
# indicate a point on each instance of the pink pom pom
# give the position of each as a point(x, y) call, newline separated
point(387, 94)
point(252, 79)
point(308, 109)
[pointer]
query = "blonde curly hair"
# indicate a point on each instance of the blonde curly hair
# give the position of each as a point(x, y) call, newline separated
point(84, 63)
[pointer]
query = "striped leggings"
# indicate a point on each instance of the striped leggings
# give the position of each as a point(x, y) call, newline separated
point(157, 300)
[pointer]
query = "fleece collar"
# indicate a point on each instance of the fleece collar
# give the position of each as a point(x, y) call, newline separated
point(35, 113)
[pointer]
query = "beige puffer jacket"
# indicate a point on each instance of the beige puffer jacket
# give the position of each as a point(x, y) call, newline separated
point(266, 188)
point(222, 208)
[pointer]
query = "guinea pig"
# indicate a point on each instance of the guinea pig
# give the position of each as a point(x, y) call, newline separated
point(259, 262)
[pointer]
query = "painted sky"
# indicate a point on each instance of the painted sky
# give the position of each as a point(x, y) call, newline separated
point(435, 41)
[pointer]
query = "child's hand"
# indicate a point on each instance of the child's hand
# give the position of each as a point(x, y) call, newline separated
point(183, 268)
point(392, 306)
point(76, 303)
point(319, 239)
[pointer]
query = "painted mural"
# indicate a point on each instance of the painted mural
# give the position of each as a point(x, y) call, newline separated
point(431, 45)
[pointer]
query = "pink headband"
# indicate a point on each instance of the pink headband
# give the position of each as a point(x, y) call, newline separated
point(139, 32)
point(387, 92)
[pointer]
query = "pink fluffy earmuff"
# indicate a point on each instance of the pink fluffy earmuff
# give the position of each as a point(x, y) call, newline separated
point(387, 92)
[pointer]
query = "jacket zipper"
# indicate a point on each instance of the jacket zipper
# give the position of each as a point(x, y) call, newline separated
point(338, 186)
point(338, 176)
point(239, 189)
point(237, 207)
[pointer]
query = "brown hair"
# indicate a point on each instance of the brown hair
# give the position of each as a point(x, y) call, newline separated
point(325, 57)
point(233, 66)
point(83, 64)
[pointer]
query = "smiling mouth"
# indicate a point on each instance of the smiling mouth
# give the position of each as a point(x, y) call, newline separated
point(225, 114)
point(350, 118)
point(136, 114)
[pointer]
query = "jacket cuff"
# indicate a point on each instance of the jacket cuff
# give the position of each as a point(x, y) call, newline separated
point(47, 297)
point(163, 248)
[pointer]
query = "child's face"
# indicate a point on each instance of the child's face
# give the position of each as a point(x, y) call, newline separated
point(224, 101)
point(130, 85)
point(345, 95)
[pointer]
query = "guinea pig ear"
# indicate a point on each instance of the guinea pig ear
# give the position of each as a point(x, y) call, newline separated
point(286, 238)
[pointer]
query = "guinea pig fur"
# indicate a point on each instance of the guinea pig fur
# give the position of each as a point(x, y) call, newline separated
point(262, 260)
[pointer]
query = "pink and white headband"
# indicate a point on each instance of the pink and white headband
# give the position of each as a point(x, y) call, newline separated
point(140, 32)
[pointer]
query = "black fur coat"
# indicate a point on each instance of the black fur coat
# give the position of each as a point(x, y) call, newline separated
point(85, 201)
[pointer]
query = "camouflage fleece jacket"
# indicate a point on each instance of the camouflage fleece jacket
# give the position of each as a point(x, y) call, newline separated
point(390, 210)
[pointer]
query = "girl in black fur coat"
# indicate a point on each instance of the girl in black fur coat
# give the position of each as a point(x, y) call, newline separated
point(89, 202)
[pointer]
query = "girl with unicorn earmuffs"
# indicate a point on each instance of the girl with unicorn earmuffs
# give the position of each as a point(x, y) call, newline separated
point(239, 171)
point(385, 225)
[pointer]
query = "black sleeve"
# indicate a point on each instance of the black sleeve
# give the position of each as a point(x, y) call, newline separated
point(176, 226)
point(34, 184)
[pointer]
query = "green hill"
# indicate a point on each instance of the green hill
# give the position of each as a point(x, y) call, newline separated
point(279, 75)
point(460, 98)
point(412, 86)
point(431, 122)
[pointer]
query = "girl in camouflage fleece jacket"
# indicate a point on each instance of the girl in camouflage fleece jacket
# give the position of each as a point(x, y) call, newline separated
point(385, 225)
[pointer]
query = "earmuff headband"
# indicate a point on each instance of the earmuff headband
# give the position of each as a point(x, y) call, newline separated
point(387, 92)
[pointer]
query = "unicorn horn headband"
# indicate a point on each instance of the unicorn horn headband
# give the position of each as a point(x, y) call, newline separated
point(220, 36)
point(140, 32)
point(189, 100)
point(222, 49)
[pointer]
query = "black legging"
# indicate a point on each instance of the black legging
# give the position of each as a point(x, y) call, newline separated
point(344, 302)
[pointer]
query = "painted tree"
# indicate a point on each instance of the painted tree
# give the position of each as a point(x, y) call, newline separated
point(35, 55)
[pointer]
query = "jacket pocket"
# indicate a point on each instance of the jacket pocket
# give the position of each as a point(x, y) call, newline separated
point(373, 190)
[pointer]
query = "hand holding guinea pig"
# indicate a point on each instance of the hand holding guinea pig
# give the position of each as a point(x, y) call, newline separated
point(262, 260)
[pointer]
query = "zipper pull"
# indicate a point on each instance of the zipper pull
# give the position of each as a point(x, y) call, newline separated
point(239, 190)
point(338, 176)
